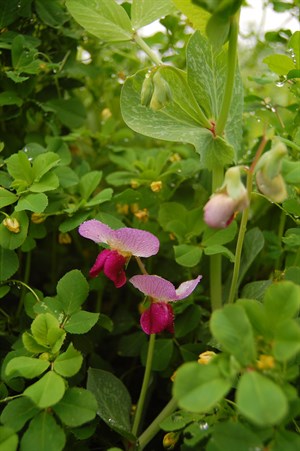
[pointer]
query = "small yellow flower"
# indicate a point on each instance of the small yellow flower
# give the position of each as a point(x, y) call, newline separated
point(12, 224)
point(142, 215)
point(105, 114)
point(123, 209)
point(134, 184)
point(170, 440)
point(172, 236)
point(205, 357)
point(175, 157)
point(156, 186)
point(265, 362)
point(38, 218)
point(64, 238)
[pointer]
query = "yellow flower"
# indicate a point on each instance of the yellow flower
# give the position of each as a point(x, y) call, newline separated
point(265, 362)
point(64, 238)
point(170, 440)
point(156, 186)
point(12, 224)
point(205, 357)
point(38, 218)
point(142, 215)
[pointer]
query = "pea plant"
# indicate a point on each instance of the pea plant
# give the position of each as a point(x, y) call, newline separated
point(150, 241)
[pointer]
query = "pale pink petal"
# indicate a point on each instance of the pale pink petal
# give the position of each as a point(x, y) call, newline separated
point(158, 317)
point(154, 286)
point(95, 231)
point(186, 288)
point(219, 211)
point(135, 241)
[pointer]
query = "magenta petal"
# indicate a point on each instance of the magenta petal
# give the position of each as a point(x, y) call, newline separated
point(112, 264)
point(137, 242)
point(186, 288)
point(157, 318)
point(99, 263)
point(154, 286)
point(96, 231)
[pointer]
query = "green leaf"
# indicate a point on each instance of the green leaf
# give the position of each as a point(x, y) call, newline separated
point(285, 440)
point(280, 64)
point(9, 263)
point(144, 12)
point(197, 16)
point(48, 182)
point(294, 43)
point(18, 412)
point(46, 330)
point(43, 434)
point(77, 407)
point(232, 328)
point(219, 237)
point(73, 222)
point(68, 363)
point(260, 400)
point(70, 112)
point(187, 321)
point(162, 354)
point(217, 249)
point(100, 198)
point(7, 197)
point(28, 367)
point(8, 13)
point(105, 19)
point(88, 183)
point(11, 240)
point(250, 252)
point(51, 13)
point(8, 438)
point(187, 255)
point(286, 343)
point(81, 322)
point(44, 163)
point(114, 402)
point(33, 202)
point(229, 436)
point(198, 388)
point(72, 290)
point(47, 391)
point(10, 98)
point(282, 302)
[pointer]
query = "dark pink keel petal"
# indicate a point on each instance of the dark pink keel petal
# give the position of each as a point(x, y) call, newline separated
point(157, 318)
point(112, 264)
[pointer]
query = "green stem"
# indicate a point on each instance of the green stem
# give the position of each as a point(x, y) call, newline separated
point(145, 384)
point(154, 427)
point(26, 279)
point(281, 227)
point(231, 66)
point(243, 225)
point(215, 261)
point(289, 143)
point(140, 42)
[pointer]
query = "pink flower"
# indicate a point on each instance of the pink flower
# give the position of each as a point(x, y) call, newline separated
point(159, 316)
point(221, 209)
point(123, 243)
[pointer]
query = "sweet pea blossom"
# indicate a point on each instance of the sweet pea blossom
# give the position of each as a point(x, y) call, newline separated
point(160, 316)
point(123, 243)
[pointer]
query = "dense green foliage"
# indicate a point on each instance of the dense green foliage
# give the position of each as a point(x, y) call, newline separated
point(98, 122)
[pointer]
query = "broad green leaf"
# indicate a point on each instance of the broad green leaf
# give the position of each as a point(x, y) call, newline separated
point(10, 98)
point(68, 363)
point(257, 316)
point(78, 406)
point(229, 436)
point(47, 391)
point(11, 240)
point(187, 321)
point(114, 403)
point(105, 19)
point(81, 322)
point(32, 345)
point(187, 255)
point(198, 388)
point(70, 112)
point(9, 263)
point(46, 331)
point(206, 73)
point(282, 302)
point(74, 221)
point(19, 167)
point(162, 354)
point(131, 345)
point(294, 43)
point(213, 237)
point(48, 182)
point(280, 64)
point(217, 249)
point(232, 329)
point(178, 420)
point(43, 163)
point(18, 412)
point(286, 343)
point(285, 440)
point(6, 197)
point(43, 434)
point(28, 367)
point(144, 12)
point(101, 197)
point(8, 13)
point(260, 399)
point(8, 439)
point(197, 16)
point(51, 13)
point(33, 202)
point(88, 183)
point(72, 290)
point(250, 252)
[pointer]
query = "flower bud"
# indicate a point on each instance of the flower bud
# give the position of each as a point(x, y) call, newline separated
point(156, 186)
point(64, 238)
point(161, 94)
point(147, 90)
point(12, 224)
point(205, 357)
point(170, 440)
point(38, 218)
point(268, 176)
point(231, 198)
